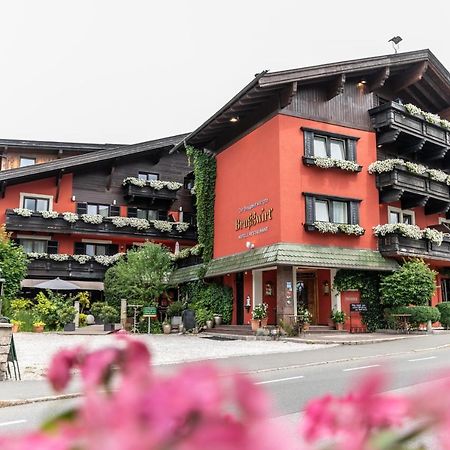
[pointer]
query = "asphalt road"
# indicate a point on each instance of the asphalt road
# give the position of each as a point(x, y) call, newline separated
point(294, 378)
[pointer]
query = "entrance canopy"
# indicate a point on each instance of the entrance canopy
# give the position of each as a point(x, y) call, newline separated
point(314, 256)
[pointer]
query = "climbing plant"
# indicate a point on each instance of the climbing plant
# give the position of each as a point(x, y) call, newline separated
point(205, 182)
point(368, 285)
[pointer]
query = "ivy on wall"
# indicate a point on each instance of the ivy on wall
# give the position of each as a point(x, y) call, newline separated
point(368, 285)
point(205, 183)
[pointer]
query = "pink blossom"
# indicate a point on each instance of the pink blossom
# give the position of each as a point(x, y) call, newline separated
point(96, 367)
point(62, 363)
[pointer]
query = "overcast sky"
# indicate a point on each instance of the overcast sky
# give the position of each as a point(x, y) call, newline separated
point(133, 70)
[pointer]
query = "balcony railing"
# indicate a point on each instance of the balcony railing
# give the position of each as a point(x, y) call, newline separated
point(146, 192)
point(48, 268)
point(394, 244)
point(413, 190)
point(410, 133)
point(36, 222)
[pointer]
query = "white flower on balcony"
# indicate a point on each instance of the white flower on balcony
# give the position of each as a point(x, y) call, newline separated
point(49, 214)
point(439, 175)
point(92, 218)
point(154, 184)
point(172, 185)
point(181, 226)
point(410, 231)
point(326, 227)
point(24, 212)
point(81, 259)
point(429, 117)
point(106, 260)
point(162, 225)
point(135, 181)
point(351, 229)
point(388, 165)
point(418, 169)
point(36, 255)
point(70, 217)
point(139, 224)
point(197, 250)
point(333, 228)
point(59, 257)
point(328, 163)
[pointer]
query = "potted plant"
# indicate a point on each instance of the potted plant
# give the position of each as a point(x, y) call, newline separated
point(38, 326)
point(109, 316)
point(259, 313)
point(96, 309)
point(201, 316)
point(338, 318)
point(209, 320)
point(304, 318)
point(174, 311)
point(167, 328)
point(16, 324)
point(66, 316)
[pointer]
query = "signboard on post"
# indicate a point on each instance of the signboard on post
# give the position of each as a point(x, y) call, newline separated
point(149, 311)
point(358, 307)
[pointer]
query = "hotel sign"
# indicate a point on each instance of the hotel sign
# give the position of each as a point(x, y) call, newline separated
point(260, 214)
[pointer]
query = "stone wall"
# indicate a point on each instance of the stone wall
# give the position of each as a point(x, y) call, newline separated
point(5, 341)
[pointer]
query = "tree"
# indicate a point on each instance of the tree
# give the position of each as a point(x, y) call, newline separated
point(13, 265)
point(141, 277)
point(413, 283)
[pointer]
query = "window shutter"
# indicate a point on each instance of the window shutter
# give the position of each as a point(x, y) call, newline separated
point(132, 212)
point(52, 247)
point(351, 150)
point(114, 211)
point(309, 143)
point(354, 213)
point(309, 204)
point(113, 249)
point(79, 248)
point(81, 208)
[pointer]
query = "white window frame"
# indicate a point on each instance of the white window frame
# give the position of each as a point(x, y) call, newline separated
point(47, 197)
point(401, 212)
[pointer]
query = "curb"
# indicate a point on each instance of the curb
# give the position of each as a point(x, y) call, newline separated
point(27, 401)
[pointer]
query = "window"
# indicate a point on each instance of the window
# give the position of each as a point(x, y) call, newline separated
point(94, 208)
point(96, 249)
point(27, 161)
point(149, 214)
point(321, 144)
point(148, 176)
point(36, 203)
point(397, 215)
point(320, 208)
point(33, 245)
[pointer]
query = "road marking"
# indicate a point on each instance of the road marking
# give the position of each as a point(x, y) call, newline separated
point(422, 359)
point(13, 422)
point(360, 368)
point(280, 380)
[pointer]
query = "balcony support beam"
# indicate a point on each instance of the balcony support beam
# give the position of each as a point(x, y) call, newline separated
point(435, 207)
point(388, 137)
point(391, 195)
point(414, 148)
point(378, 80)
point(414, 201)
point(336, 86)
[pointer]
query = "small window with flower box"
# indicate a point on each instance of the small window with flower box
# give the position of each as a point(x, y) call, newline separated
point(329, 150)
point(329, 214)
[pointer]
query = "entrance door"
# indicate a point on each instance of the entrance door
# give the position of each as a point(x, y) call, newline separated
point(240, 298)
point(306, 293)
point(269, 291)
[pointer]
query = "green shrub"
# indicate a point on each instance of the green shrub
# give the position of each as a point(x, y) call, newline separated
point(109, 314)
point(175, 309)
point(413, 283)
point(82, 319)
point(66, 314)
point(444, 309)
point(201, 316)
point(213, 297)
point(96, 309)
point(26, 318)
point(393, 322)
point(155, 326)
point(422, 314)
point(20, 304)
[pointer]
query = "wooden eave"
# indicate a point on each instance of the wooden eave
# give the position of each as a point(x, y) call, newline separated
point(55, 146)
point(416, 76)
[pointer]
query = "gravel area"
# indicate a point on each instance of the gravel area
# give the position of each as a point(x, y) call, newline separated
point(34, 350)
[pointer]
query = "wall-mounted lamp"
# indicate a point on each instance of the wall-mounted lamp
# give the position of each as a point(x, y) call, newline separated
point(247, 303)
point(114, 202)
point(249, 245)
point(234, 119)
point(326, 287)
point(73, 198)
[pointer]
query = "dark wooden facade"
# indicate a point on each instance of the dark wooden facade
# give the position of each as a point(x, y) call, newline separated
point(47, 268)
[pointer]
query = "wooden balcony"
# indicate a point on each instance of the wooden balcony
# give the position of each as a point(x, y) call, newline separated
point(37, 223)
point(164, 195)
point(407, 134)
point(191, 260)
point(48, 268)
point(414, 190)
point(395, 245)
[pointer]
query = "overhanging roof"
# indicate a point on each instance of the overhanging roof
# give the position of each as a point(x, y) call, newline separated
point(184, 275)
point(314, 256)
point(417, 76)
point(55, 146)
point(73, 163)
